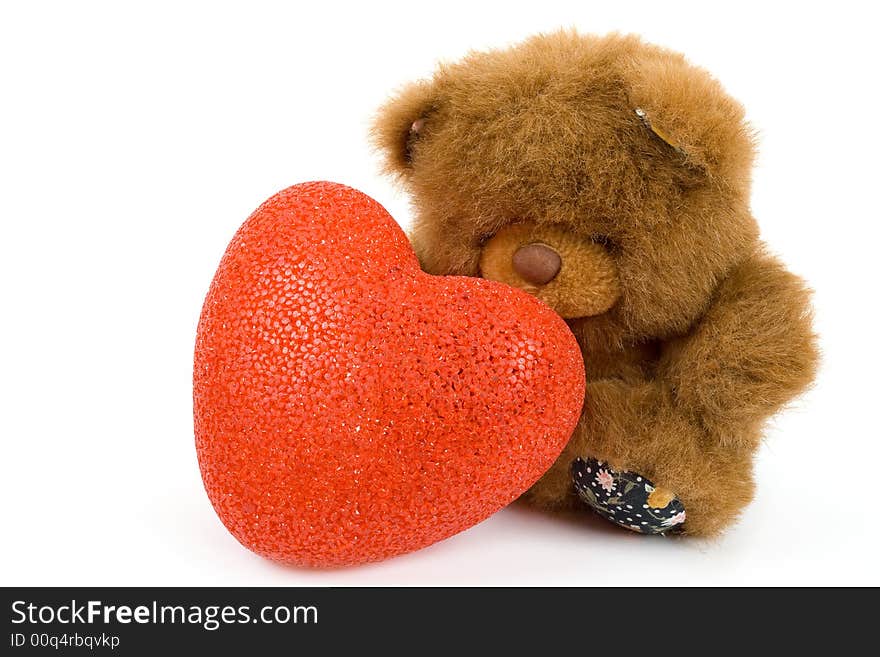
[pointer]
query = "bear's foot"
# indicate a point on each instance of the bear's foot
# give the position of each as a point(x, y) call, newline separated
point(627, 498)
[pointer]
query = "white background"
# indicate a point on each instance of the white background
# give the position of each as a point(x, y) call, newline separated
point(133, 142)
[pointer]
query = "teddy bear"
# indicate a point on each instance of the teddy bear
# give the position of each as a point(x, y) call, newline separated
point(610, 178)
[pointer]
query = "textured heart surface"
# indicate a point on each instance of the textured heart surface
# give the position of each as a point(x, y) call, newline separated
point(349, 407)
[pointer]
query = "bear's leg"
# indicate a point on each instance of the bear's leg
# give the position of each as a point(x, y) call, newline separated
point(626, 498)
point(631, 439)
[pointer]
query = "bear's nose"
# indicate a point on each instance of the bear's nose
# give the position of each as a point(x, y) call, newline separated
point(537, 263)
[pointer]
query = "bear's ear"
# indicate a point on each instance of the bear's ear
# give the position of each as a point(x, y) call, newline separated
point(690, 156)
point(400, 123)
point(688, 110)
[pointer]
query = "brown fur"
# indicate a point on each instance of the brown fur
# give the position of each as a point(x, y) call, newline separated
point(707, 336)
point(587, 284)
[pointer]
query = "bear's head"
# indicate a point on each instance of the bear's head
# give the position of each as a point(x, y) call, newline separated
point(606, 176)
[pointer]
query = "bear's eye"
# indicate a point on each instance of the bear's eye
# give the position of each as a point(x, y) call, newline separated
point(483, 238)
point(605, 241)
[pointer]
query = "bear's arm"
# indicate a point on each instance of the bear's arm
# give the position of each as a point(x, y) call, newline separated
point(695, 424)
point(751, 353)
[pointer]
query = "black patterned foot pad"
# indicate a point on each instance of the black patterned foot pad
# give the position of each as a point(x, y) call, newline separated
point(627, 498)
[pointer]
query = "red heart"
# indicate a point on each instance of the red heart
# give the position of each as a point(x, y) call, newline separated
point(349, 407)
